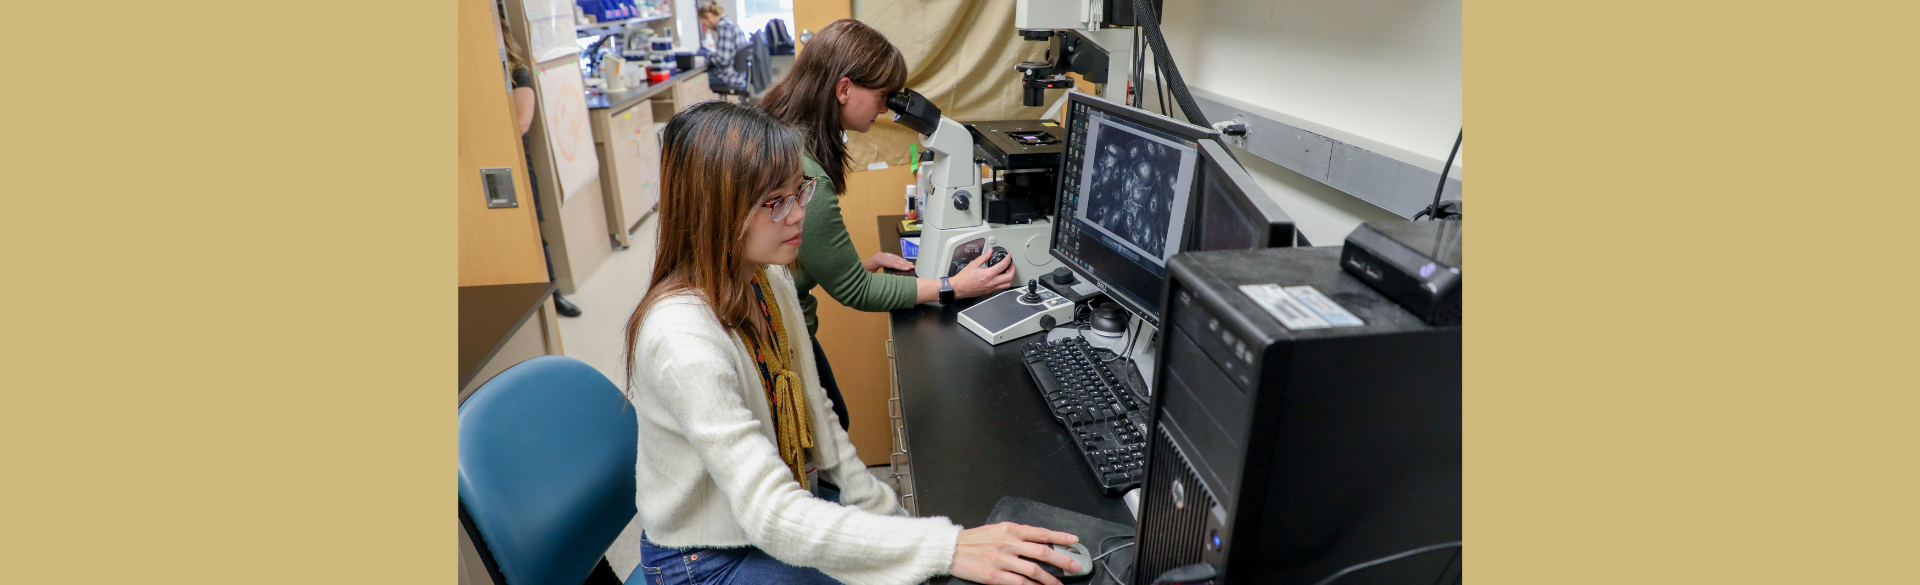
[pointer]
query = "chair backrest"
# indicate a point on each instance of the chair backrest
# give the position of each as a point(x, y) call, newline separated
point(546, 469)
point(743, 56)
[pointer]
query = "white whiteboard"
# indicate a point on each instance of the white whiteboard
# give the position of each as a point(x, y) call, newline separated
point(563, 107)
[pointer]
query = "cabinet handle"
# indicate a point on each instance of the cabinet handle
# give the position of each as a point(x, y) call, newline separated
point(893, 408)
point(496, 184)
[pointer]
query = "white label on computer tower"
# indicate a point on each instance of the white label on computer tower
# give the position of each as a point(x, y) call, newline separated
point(1329, 310)
point(1290, 311)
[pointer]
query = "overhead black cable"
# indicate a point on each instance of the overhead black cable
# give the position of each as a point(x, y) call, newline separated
point(1145, 17)
point(1433, 211)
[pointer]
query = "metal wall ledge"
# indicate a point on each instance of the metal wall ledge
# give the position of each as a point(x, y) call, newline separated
point(1388, 177)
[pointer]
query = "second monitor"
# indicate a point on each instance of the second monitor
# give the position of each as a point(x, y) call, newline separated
point(1233, 213)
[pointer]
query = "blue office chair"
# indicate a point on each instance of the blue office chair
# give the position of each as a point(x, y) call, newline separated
point(546, 472)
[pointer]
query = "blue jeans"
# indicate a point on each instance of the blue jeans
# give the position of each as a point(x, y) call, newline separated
point(661, 565)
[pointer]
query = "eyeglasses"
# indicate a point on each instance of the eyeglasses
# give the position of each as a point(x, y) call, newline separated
point(779, 207)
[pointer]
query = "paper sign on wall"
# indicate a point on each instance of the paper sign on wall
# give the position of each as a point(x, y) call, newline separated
point(550, 32)
point(563, 106)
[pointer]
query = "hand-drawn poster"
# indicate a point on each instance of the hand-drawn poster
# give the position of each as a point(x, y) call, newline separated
point(563, 106)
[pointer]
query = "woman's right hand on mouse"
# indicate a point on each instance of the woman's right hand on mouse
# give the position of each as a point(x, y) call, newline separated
point(976, 280)
point(992, 554)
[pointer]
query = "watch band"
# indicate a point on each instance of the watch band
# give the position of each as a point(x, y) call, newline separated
point(946, 291)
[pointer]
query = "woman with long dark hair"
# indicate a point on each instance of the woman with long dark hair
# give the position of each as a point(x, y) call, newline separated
point(839, 84)
point(730, 406)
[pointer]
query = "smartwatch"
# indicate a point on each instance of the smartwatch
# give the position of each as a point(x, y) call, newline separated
point(946, 291)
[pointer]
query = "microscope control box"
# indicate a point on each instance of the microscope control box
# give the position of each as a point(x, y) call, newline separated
point(1011, 314)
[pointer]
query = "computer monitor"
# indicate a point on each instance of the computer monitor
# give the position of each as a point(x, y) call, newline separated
point(1232, 211)
point(1126, 181)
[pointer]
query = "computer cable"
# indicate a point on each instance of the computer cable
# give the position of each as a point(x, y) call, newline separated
point(1146, 17)
point(1161, 88)
point(1389, 559)
point(1450, 563)
point(1433, 211)
point(1100, 562)
point(1133, 79)
point(1141, 397)
point(1083, 323)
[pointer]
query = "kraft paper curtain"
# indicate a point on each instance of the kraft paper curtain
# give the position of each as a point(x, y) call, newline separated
point(960, 54)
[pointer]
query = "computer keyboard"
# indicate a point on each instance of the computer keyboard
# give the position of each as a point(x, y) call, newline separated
point(1094, 394)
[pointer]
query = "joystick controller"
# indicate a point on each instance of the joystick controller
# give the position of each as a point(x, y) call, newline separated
point(1033, 292)
point(1015, 313)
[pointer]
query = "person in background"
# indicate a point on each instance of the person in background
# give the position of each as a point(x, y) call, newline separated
point(729, 403)
point(727, 40)
point(838, 84)
point(523, 108)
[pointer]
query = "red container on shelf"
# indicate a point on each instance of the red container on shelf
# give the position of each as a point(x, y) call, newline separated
point(657, 76)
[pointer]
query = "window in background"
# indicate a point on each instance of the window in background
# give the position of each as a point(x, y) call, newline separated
point(754, 14)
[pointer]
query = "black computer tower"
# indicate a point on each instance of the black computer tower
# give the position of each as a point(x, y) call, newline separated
point(1281, 456)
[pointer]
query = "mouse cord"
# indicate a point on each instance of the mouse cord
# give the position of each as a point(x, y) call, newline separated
point(1389, 559)
point(1101, 561)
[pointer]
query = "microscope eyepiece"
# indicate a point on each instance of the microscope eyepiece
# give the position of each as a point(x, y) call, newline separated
point(914, 111)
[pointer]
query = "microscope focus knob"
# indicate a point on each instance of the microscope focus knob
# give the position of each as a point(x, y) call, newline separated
point(961, 200)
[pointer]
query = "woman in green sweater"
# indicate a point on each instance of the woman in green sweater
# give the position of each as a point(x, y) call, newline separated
point(840, 83)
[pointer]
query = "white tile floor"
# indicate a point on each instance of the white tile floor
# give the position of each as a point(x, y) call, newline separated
point(598, 337)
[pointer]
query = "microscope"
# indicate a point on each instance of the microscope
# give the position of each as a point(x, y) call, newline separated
point(963, 217)
point(1087, 37)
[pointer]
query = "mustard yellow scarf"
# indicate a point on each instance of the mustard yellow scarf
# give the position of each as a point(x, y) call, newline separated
point(793, 425)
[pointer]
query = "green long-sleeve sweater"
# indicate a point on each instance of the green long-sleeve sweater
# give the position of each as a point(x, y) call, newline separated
point(828, 259)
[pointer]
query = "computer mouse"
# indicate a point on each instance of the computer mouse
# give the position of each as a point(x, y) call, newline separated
point(1077, 552)
point(999, 254)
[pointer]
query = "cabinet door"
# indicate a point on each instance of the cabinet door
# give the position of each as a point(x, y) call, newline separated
point(499, 244)
point(636, 154)
point(809, 16)
point(690, 91)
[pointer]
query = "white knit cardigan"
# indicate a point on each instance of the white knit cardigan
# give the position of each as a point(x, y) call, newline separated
point(709, 473)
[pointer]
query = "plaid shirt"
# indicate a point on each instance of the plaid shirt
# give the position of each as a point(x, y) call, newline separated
point(727, 39)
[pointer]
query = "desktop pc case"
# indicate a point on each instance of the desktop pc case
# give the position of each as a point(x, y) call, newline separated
point(1282, 456)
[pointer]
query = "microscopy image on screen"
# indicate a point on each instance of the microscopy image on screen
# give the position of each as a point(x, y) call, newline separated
point(1132, 187)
